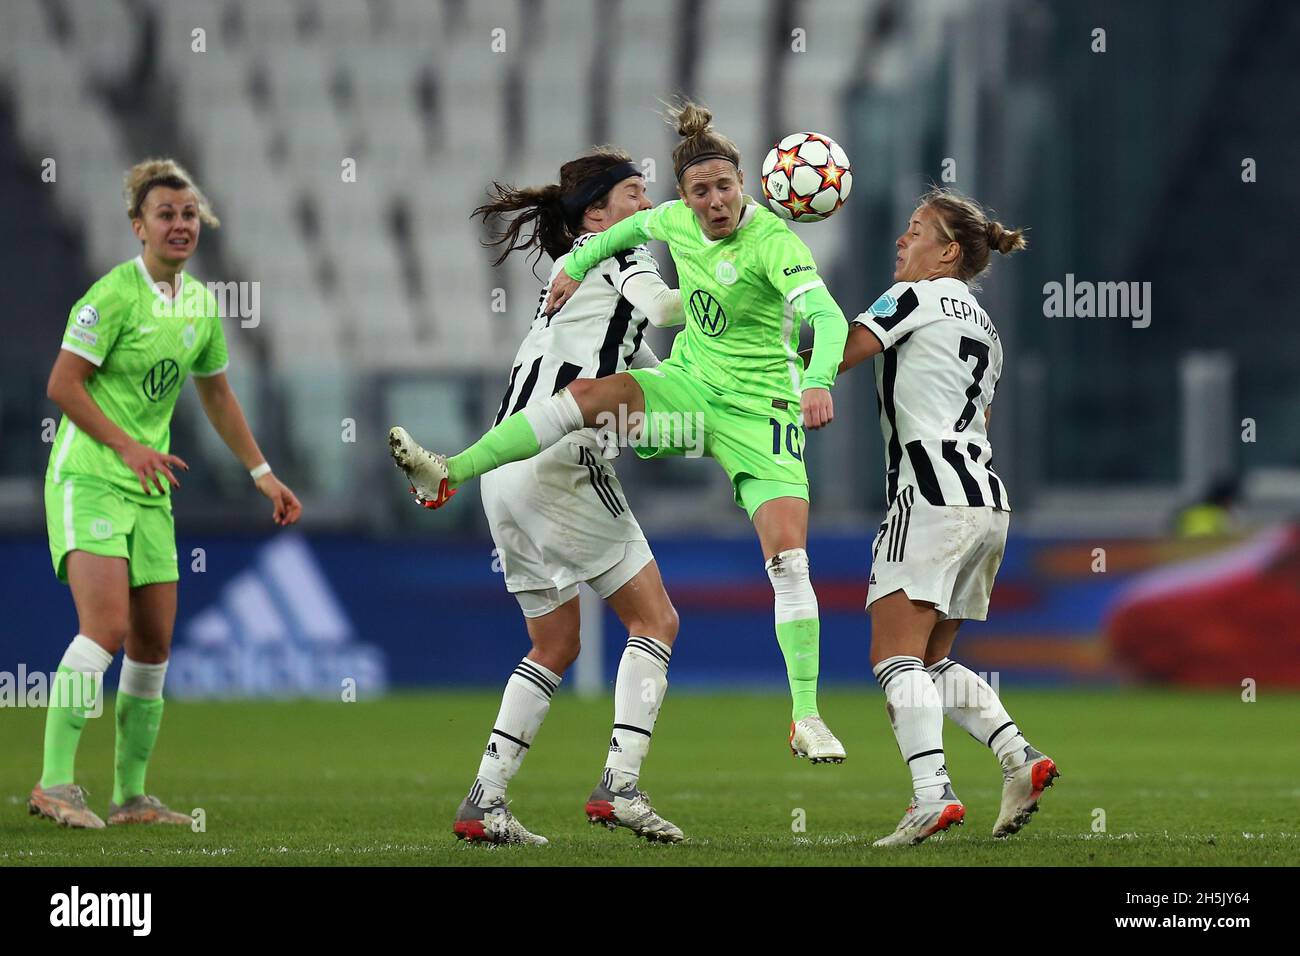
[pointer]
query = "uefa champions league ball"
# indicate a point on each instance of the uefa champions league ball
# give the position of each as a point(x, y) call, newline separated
point(806, 177)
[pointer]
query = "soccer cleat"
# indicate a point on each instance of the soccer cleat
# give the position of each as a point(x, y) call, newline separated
point(425, 470)
point(492, 824)
point(145, 809)
point(811, 738)
point(925, 818)
point(64, 804)
point(630, 808)
point(1022, 788)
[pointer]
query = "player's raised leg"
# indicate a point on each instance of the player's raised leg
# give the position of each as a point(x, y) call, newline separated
point(139, 708)
point(971, 703)
point(782, 526)
point(99, 587)
point(643, 606)
point(900, 629)
point(526, 433)
point(553, 621)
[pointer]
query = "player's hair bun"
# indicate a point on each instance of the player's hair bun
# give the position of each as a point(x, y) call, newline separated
point(692, 119)
point(1004, 240)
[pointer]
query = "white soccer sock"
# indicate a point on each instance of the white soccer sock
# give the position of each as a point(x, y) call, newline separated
point(83, 655)
point(524, 704)
point(142, 680)
point(554, 418)
point(638, 695)
point(915, 712)
point(973, 705)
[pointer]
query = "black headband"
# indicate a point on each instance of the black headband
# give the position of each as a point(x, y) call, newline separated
point(703, 158)
point(598, 185)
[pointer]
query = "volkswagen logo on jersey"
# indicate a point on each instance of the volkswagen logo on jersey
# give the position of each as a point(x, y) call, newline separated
point(158, 381)
point(708, 313)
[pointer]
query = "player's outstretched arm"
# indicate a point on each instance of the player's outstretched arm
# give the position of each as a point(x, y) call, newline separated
point(227, 417)
point(621, 236)
point(829, 330)
point(862, 344)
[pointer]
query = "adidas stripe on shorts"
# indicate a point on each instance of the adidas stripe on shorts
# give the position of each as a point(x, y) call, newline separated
point(560, 519)
point(944, 555)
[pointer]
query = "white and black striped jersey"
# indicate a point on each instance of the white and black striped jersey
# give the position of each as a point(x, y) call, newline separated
point(598, 332)
point(935, 378)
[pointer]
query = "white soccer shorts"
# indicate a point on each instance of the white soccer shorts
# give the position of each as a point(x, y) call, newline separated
point(942, 555)
point(560, 519)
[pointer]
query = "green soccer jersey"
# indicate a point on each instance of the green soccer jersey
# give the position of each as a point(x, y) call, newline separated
point(143, 346)
point(742, 331)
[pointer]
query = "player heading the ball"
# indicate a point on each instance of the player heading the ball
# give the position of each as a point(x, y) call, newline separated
point(747, 282)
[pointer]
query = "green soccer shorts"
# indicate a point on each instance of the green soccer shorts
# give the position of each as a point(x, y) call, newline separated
point(760, 447)
point(82, 514)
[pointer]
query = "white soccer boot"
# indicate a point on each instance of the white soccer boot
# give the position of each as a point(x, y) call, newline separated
point(630, 808)
point(492, 824)
point(925, 818)
point(1022, 788)
point(811, 738)
point(425, 470)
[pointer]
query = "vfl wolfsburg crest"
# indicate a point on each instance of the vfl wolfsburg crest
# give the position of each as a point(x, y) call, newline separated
point(189, 335)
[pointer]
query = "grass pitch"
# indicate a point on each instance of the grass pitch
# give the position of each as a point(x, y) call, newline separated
point(1177, 779)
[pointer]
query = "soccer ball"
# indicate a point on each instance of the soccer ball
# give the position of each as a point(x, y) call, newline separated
point(806, 177)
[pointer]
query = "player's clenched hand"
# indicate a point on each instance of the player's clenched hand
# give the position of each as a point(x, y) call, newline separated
point(149, 463)
point(562, 288)
point(817, 407)
point(287, 508)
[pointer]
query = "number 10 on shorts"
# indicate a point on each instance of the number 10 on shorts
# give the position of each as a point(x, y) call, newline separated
point(791, 438)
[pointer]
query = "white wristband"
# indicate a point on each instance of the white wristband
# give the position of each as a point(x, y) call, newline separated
point(259, 471)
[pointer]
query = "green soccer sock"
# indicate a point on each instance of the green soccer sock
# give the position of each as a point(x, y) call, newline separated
point(512, 440)
point(800, 644)
point(138, 720)
point(73, 698)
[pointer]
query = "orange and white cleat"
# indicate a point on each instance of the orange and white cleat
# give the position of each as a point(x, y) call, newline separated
point(811, 738)
point(145, 809)
point(425, 470)
point(1022, 788)
point(64, 804)
point(925, 818)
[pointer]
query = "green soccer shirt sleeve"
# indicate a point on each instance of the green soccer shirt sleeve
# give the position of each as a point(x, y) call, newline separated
point(632, 231)
point(789, 267)
point(830, 332)
point(94, 324)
